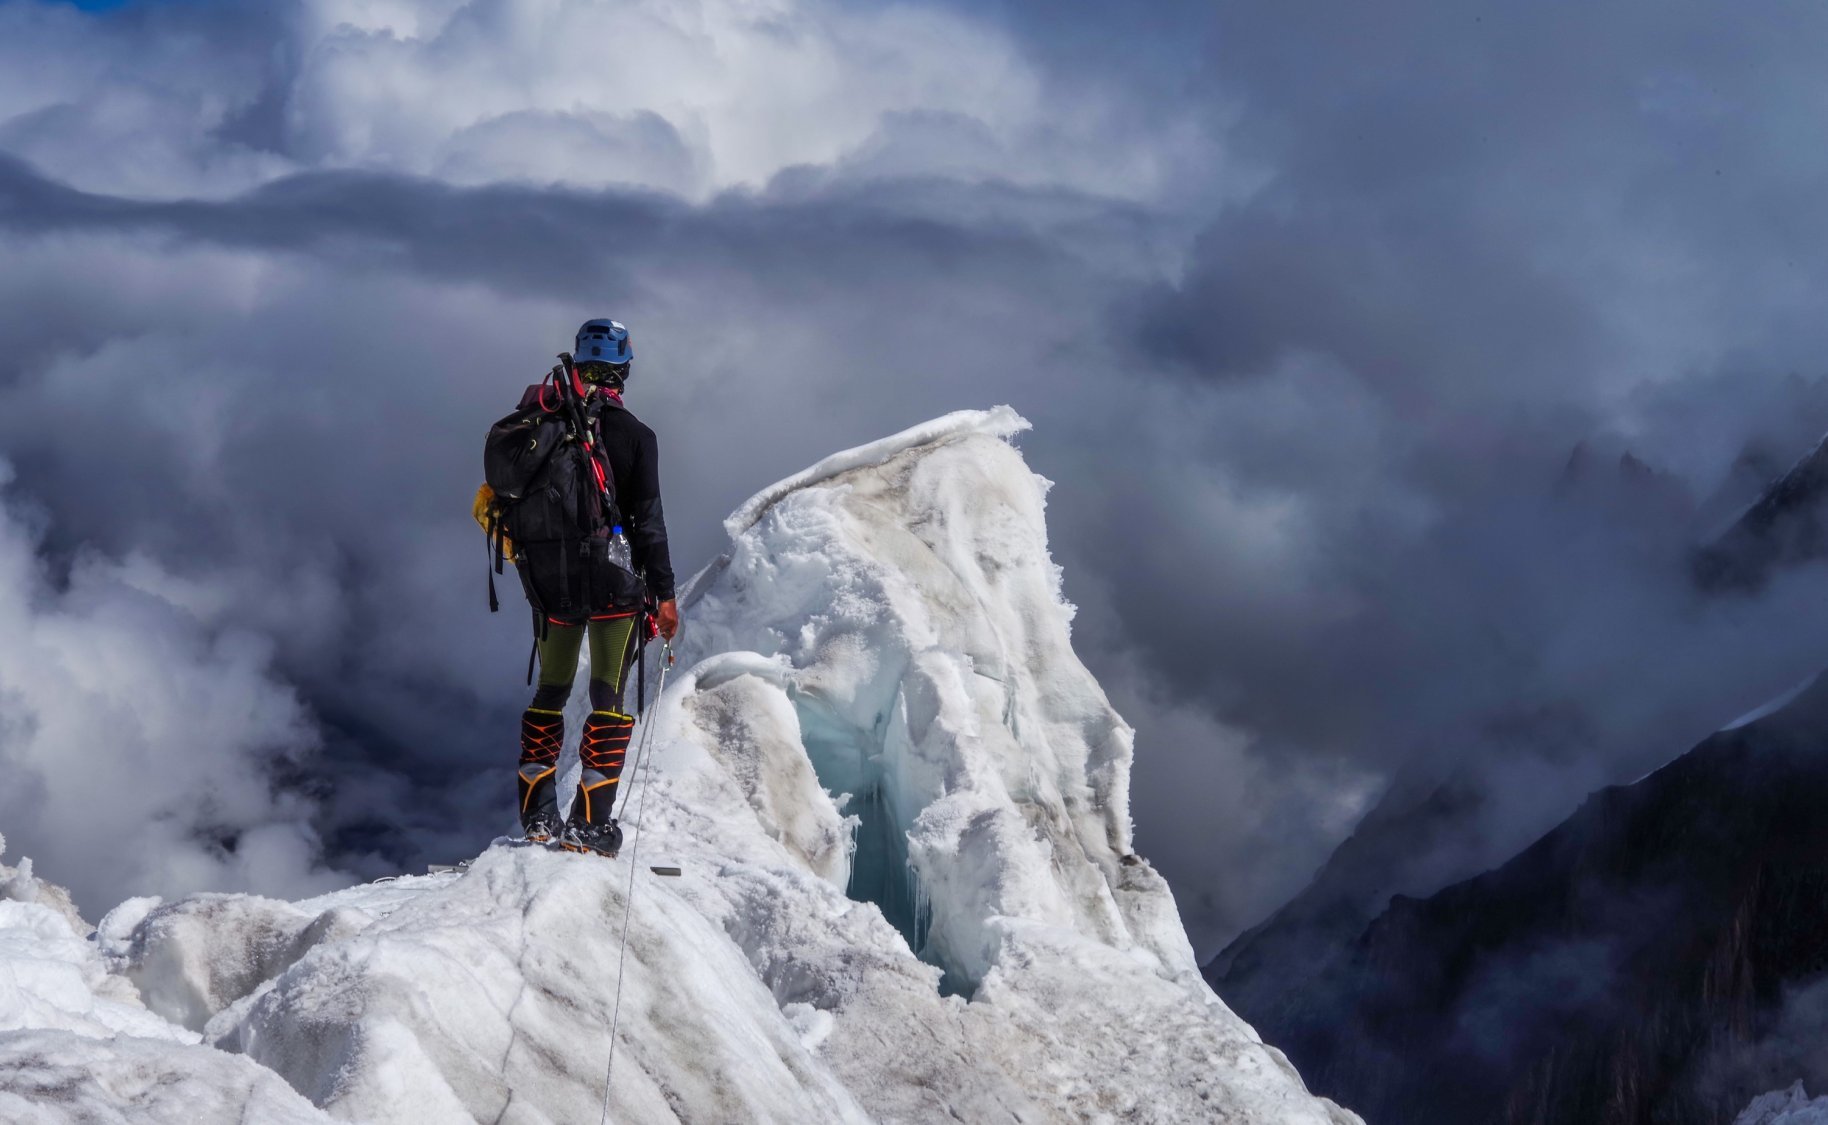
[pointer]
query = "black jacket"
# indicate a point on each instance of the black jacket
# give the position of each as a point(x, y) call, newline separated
point(634, 457)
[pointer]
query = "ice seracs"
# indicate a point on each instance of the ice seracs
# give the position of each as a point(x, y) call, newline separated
point(907, 590)
point(901, 807)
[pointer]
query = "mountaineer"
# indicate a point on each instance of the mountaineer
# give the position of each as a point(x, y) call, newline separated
point(572, 497)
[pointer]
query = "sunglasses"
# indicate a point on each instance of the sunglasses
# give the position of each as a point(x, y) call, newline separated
point(596, 371)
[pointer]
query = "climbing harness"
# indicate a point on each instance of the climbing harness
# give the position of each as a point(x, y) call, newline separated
point(628, 898)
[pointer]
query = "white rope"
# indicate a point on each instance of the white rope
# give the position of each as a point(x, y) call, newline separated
point(628, 899)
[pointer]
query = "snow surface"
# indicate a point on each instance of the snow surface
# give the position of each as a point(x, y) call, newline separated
point(1766, 710)
point(76, 1043)
point(1762, 711)
point(1785, 1107)
point(901, 806)
point(1000, 422)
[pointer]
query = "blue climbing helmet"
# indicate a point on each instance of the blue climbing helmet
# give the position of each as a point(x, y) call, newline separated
point(603, 353)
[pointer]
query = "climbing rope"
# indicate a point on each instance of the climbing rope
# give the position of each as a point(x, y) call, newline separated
point(628, 899)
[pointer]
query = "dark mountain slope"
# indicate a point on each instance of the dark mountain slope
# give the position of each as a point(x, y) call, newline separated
point(1401, 842)
point(1787, 524)
point(1600, 975)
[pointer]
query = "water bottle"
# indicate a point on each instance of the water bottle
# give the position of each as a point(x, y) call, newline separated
point(619, 552)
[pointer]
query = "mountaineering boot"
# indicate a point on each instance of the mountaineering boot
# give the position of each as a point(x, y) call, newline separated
point(542, 732)
point(603, 839)
point(592, 826)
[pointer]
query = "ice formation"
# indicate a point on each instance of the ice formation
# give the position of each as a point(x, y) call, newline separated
point(900, 805)
point(76, 1043)
point(1785, 1107)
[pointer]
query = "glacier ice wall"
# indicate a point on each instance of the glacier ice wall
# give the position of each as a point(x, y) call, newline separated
point(907, 590)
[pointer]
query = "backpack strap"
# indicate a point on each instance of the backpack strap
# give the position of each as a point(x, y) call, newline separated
point(565, 575)
point(494, 543)
point(584, 564)
point(539, 634)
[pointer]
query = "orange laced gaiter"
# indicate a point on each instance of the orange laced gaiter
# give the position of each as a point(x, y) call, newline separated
point(542, 732)
point(605, 745)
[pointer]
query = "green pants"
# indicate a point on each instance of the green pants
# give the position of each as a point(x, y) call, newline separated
point(614, 643)
point(613, 648)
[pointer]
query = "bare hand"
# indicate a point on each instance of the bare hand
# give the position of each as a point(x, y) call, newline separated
point(668, 619)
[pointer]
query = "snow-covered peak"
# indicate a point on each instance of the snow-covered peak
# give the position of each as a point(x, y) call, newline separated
point(899, 805)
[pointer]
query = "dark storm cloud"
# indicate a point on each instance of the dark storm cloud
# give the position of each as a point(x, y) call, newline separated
point(798, 255)
point(523, 239)
point(1310, 313)
point(1487, 234)
point(1417, 312)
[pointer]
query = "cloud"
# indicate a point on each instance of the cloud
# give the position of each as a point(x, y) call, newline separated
point(1310, 310)
point(686, 98)
point(144, 746)
point(1481, 239)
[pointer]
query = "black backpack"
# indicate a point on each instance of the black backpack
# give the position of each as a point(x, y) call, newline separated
point(572, 565)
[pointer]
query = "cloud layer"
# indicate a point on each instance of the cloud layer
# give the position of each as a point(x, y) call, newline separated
point(145, 743)
point(1311, 310)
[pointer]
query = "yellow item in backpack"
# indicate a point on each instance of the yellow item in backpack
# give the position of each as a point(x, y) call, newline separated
point(489, 518)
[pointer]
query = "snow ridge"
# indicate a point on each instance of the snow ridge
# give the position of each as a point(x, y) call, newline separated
point(1000, 421)
point(1773, 706)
